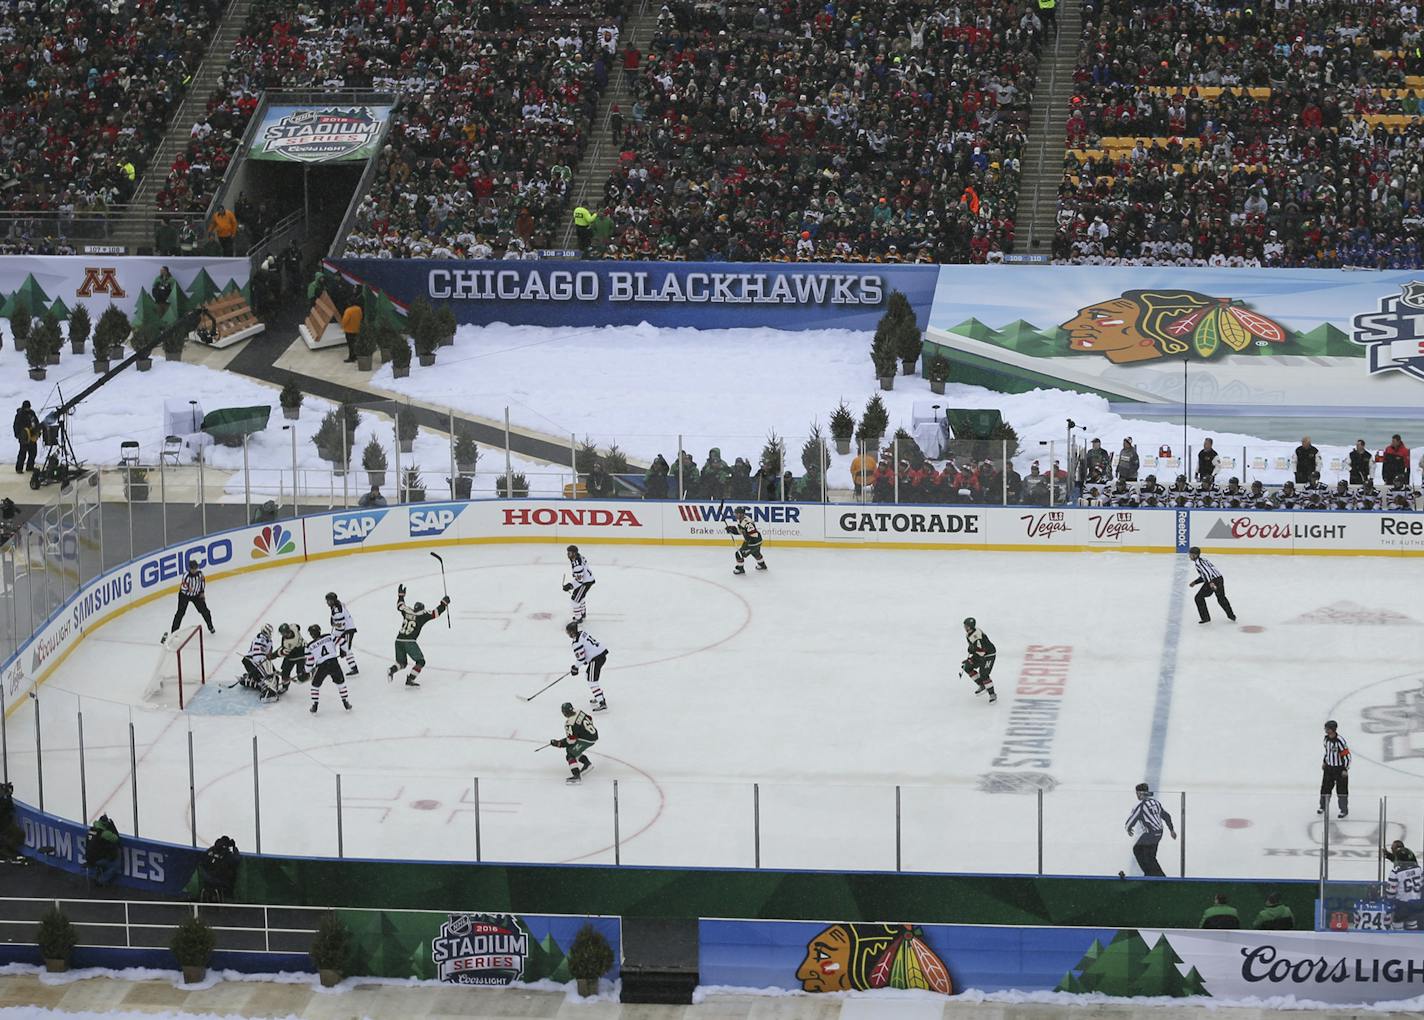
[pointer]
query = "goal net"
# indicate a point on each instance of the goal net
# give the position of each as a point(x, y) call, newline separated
point(181, 671)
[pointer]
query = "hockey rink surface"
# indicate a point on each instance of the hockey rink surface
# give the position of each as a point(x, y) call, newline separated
point(827, 682)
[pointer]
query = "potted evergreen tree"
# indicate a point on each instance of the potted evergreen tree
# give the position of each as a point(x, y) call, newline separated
point(909, 342)
point(413, 485)
point(399, 355)
point(56, 939)
point(37, 354)
point(136, 484)
point(291, 400)
point(365, 346)
point(842, 428)
point(110, 332)
point(445, 320)
point(516, 486)
point(174, 338)
point(815, 459)
point(53, 337)
point(407, 428)
point(328, 440)
point(144, 338)
point(427, 338)
point(21, 323)
point(192, 946)
point(938, 369)
point(467, 451)
point(331, 950)
point(873, 422)
point(882, 356)
point(80, 327)
point(590, 957)
point(373, 459)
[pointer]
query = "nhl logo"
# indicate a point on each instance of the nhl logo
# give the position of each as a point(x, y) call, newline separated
point(320, 136)
point(481, 949)
point(1394, 334)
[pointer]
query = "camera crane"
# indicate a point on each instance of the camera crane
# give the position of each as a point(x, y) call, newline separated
point(61, 464)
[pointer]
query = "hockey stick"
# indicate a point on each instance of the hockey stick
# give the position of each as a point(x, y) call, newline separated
point(541, 690)
point(443, 587)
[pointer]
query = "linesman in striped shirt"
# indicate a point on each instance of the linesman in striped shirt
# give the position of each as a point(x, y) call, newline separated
point(1149, 815)
point(1334, 770)
point(1212, 584)
point(192, 591)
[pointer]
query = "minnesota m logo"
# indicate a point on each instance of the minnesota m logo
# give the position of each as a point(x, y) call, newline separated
point(100, 281)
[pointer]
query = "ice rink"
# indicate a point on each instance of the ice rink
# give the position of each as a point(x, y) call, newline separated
point(793, 714)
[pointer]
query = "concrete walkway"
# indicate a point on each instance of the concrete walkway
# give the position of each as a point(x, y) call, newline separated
point(397, 1002)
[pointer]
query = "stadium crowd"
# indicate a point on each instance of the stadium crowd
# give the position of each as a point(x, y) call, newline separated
point(813, 131)
point(1231, 134)
point(86, 92)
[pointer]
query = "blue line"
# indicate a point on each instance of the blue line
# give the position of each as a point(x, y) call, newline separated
point(1167, 672)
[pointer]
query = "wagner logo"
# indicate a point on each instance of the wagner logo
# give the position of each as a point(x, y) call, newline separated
point(273, 540)
point(350, 529)
point(1045, 525)
point(1234, 528)
point(481, 949)
point(1393, 334)
point(699, 512)
point(911, 523)
point(100, 281)
point(544, 516)
point(434, 520)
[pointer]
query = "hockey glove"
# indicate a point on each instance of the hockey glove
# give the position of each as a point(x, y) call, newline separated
point(556, 743)
point(573, 671)
point(731, 530)
point(445, 601)
point(400, 590)
point(568, 587)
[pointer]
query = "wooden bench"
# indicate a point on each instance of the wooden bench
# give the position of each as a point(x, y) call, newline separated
point(234, 318)
point(320, 329)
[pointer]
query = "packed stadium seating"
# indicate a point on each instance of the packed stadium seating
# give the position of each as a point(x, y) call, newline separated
point(1236, 134)
point(887, 131)
point(86, 92)
point(497, 101)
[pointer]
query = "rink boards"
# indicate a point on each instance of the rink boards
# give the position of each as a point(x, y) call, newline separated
point(952, 527)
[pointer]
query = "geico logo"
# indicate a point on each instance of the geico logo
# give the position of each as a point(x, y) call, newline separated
point(175, 564)
point(432, 522)
point(350, 528)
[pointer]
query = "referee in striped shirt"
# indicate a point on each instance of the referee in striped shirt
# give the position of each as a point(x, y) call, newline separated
point(1149, 815)
point(1212, 583)
point(1335, 771)
point(193, 591)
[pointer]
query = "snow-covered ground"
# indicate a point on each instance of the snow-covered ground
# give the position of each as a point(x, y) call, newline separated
point(643, 386)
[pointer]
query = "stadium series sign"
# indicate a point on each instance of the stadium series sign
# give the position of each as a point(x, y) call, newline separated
point(319, 134)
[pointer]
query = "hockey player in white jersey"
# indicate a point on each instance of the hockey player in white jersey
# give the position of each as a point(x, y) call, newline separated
point(582, 582)
point(343, 628)
point(323, 663)
point(1404, 886)
point(592, 656)
point(257, 671)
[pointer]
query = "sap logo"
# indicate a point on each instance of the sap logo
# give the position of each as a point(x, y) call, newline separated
point(435, 520)
point(100, 280)
point(173, 565)
point(348, 529)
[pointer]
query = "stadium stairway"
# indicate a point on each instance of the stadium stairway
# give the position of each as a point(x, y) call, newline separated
point(601, 155)
point(1047, 134)
point(135, 231)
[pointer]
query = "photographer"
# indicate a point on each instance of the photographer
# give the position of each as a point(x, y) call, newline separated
point(12, 837)
point(102, 855)
point(217, 871)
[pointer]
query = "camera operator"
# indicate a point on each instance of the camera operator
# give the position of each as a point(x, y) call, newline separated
point(102, 855)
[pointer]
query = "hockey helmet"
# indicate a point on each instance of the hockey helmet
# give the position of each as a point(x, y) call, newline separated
point(743, 512)
point(970, 623)
point(420, 607)
point(571, 629)
point(267, 631)
point(331, 598)
point(567, 708)
point(572, 551)
point(285, 629)
point(314, 630)
point(194, 566)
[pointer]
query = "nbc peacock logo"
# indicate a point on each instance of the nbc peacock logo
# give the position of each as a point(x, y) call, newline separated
point(273, 540)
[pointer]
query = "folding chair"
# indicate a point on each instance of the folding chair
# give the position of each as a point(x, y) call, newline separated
point(128, 453)
point(172, 449)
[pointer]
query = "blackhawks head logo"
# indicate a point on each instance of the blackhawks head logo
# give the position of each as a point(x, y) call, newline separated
point(1142, 325)
point(858, 957)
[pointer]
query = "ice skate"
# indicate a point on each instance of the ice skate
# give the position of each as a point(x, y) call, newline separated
point(761, 564)
point(598, 706)
point(391, 673)
point(573, 780)
point(313, 708)
point(410, 681)
point(992, 696)
point(346, 704)
point(353, 671)
point(739, 569)
point(586, 766)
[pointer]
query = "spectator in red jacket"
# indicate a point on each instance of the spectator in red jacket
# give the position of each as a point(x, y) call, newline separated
point(1394, 459)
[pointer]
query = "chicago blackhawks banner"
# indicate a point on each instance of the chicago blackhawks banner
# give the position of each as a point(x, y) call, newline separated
point(817, 957)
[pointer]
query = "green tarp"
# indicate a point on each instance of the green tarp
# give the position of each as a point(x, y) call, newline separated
point(232, 423)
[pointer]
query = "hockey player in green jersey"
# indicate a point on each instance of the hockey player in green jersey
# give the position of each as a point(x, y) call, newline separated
point(579, 735)
point(413, 620)
point(751, 540)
